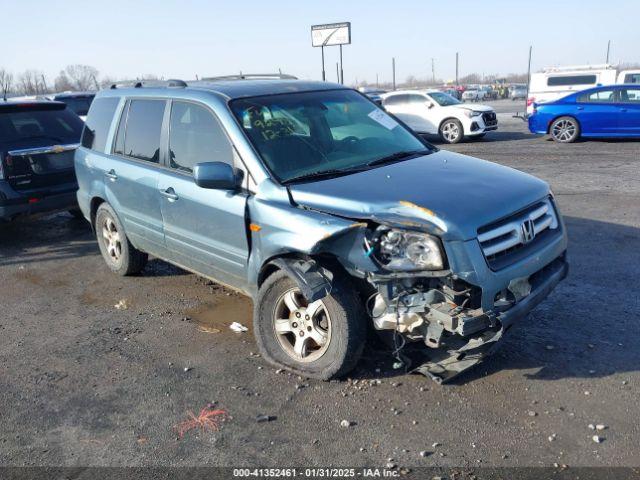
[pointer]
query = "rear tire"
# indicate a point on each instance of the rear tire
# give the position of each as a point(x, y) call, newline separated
point(337, 321)
point(451, 131)
point(565, 130)
point(118, 253)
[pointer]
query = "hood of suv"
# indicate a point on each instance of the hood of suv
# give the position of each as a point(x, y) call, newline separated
point(448, 193)
point(476, 108)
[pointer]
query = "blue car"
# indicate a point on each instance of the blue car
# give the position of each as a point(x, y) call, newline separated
point(601, 112)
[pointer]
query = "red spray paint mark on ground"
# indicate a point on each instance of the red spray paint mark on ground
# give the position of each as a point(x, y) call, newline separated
point(208, 419)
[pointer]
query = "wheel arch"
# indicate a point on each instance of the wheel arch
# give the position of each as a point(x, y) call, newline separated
point(93, 209)
point(556, 117)
point(451, 118)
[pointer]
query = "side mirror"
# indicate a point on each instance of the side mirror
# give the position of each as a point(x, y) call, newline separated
point(217, 175)
point(429, 104)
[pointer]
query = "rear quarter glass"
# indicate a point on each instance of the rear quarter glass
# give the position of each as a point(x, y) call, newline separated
point(96, 128)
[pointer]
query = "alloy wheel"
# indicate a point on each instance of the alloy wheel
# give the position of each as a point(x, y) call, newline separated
point(302, 329)
point(112, 239)
point(450, 132)
point(564, 130)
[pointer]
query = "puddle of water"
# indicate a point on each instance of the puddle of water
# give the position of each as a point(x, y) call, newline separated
point(226, 309)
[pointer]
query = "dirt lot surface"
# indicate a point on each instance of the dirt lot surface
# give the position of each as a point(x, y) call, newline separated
point(98, 370)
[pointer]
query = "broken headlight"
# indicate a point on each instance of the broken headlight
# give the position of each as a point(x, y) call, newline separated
point(405, 250)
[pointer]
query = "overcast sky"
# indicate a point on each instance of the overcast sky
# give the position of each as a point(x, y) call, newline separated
point(179, 39)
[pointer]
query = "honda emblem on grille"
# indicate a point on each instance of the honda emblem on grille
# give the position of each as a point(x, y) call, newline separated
point(528, 230)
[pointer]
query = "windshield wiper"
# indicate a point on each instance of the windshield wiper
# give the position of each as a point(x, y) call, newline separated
point(334, 172)
point(394, 157)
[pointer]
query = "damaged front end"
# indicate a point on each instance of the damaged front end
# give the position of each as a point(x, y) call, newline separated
point(418, 295)
point(439, 312)
point(426, 303)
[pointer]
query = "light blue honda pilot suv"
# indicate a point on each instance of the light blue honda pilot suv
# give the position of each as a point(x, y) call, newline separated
point(328, 212)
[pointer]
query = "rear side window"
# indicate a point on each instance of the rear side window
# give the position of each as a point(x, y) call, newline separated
point(196, 136)
point(565, 80)
point(51, 123)
point(630, 95)
point(601, 96)
point(96, 128)
point(143, 128)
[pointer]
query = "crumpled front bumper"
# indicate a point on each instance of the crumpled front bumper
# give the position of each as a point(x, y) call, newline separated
point(446, 364)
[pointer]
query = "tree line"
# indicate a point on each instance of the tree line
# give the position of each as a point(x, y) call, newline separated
point(75, 78)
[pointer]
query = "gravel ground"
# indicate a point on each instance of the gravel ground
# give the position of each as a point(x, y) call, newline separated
point(83, 382)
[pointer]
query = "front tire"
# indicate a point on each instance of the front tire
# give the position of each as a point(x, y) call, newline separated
point(321, 340)
point(451, 131)
point(565, 130)
point(118, 253)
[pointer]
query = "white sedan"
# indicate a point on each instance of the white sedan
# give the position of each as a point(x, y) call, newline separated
point(436, 113)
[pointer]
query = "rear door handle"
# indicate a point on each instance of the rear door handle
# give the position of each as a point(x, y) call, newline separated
point(170, 193)
point(580, 108)
point(111, 175)
point(623, 109)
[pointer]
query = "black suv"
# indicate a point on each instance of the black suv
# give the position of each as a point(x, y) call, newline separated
point(37, 140)
point(78, 102)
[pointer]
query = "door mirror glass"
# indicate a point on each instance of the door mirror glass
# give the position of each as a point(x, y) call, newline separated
point(217, 175)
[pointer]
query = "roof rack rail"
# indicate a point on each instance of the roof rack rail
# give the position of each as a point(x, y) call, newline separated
point(171, 83)
point(251, 76)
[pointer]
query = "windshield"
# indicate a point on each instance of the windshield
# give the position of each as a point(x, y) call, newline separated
point(444, 99)
point(311, 133)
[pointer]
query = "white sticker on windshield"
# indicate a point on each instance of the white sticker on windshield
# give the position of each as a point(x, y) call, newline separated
point(383, 119)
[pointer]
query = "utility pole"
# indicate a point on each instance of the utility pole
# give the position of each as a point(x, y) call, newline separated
point(433, 72)
point(337, 73)
point(608, 50)
point(377, 83)
point(341, 71)
point(457, 68)
point(393, 71)
point(528, 80)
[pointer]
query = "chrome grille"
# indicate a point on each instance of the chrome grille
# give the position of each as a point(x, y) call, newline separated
point(527, 228)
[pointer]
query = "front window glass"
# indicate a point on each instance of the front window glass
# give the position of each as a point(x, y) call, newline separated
point(632, 78)
point(195, 136)
point(316, 133)
point(443, 99)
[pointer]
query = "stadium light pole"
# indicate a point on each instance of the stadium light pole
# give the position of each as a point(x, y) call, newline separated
point(608, 50)
point(457, 69)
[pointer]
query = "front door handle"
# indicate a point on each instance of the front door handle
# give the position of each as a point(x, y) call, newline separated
point(580, 108)
point(623, 109)
point(170, 193)
point(111, 175)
